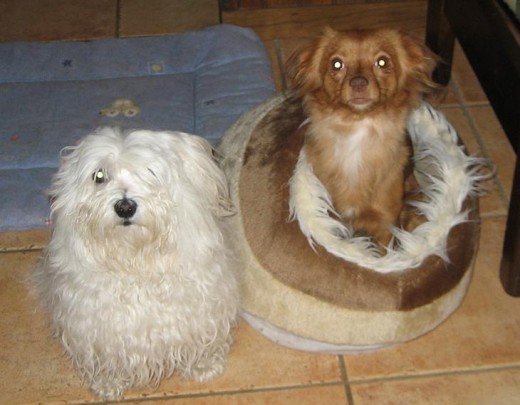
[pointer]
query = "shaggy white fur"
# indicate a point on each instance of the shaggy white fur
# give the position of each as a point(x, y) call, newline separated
point(446, 175)
point(137, 276)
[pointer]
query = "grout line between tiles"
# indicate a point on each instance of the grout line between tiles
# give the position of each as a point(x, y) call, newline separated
point(344, 378)
point(22, 250)
point(159, 397)
point(438, 374)
point(493, 215)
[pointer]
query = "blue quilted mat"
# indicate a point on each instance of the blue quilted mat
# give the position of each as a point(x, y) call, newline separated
point(52, 94)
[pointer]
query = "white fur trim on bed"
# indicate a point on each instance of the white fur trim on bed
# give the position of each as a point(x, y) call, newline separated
point(446, 175)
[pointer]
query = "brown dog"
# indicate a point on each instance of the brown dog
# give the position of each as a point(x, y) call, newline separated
point(358, 88)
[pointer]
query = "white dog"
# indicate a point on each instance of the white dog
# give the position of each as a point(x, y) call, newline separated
point(136, 277)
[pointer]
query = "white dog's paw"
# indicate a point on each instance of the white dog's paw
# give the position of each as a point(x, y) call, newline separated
point(108, 390)
point(206, 372)
point(208, 367)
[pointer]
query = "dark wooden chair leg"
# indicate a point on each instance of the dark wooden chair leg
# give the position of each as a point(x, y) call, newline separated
point(510, 266)
point(493, 52)
point(440, 39)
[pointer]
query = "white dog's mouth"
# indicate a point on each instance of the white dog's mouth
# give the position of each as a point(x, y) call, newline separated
point(125, 209)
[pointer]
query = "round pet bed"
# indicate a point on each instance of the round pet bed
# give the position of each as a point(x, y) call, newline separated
point(306, 286)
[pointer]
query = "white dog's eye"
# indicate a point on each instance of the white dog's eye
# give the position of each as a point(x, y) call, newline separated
point(336, 64)
point(99, 176)
point(383, 62)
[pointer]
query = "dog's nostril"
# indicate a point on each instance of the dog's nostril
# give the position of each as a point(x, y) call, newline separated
point(358, 82)
point(125, 208)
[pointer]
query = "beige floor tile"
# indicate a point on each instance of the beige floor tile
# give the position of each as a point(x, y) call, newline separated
point(329, 395)
point(44, 20)
point(484, 332)
point(494, 387)
point(23, 240)
point(309, 21)
point(156, 17)
point(497, 145)
point(32, 364)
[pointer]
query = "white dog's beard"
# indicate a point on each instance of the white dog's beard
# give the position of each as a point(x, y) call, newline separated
point(126, 247)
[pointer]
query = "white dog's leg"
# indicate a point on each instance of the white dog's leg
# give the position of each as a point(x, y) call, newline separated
point(209, 364)
point(108, 381)
point(110, 389)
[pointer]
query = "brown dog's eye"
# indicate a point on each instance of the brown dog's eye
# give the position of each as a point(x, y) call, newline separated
point(336, 64)
point(383, 62)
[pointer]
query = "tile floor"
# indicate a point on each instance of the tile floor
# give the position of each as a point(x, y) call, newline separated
point(471, 359)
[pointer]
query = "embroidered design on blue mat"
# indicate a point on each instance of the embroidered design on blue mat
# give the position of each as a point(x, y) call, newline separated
point(156, 68)
point(122, 106)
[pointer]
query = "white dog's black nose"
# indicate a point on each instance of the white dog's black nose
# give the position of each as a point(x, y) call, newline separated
point(125, 208)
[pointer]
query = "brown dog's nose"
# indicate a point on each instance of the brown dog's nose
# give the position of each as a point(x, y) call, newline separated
point(358, 82)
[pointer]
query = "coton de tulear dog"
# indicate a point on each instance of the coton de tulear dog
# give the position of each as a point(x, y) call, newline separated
point(136, 277)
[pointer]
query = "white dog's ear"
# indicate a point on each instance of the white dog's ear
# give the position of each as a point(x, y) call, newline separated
point(203, 171)
point(68, 174)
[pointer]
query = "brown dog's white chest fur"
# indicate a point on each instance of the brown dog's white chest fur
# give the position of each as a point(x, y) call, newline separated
point(360, 162)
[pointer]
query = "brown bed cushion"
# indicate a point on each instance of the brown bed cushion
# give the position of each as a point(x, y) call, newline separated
point(312, 293)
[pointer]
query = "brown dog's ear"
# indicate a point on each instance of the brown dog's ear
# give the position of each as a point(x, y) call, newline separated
point(303, 67)
point(329, 32)
point(420, 63)
point(301, 72)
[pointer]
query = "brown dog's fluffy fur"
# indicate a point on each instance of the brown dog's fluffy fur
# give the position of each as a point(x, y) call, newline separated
point(358, 88)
